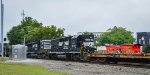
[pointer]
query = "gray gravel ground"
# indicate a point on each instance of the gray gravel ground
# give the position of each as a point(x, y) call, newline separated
point(77, 68)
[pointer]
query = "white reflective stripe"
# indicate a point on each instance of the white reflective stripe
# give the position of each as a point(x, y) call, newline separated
point(66, 43)
point(47, 47)
point(60, 43)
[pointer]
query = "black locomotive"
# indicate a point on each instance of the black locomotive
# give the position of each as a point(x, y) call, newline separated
point(70, 47)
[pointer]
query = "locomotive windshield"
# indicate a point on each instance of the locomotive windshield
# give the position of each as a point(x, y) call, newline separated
point(88, 40)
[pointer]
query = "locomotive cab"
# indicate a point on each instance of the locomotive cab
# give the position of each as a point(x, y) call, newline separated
point(87, 41)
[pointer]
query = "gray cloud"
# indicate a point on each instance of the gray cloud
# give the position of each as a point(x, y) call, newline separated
point(81, 15)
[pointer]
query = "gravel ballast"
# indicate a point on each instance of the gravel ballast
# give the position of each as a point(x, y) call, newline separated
point(78, 68)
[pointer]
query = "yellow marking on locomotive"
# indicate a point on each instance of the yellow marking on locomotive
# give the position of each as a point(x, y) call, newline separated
point(138, 56)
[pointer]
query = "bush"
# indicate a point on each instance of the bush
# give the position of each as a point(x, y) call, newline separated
point(4, 58)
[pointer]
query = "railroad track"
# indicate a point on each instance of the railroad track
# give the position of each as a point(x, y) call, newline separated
point(136, 65)
point(124, 64)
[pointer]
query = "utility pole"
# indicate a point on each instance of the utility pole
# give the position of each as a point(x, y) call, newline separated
point(2, 16)
point(23, 14)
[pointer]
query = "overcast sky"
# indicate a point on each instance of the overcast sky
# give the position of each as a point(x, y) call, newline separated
point(81, 15)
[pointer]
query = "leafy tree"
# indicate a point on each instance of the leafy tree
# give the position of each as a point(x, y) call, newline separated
point(116, 36)
point(16, 34)
point(47, 32)
point(32, 30)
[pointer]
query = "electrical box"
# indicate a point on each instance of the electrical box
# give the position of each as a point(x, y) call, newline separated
point(18, 52)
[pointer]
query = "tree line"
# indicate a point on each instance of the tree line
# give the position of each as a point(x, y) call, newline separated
point(32, 30)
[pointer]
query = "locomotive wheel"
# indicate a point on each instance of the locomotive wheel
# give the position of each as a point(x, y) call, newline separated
point(38, 56)
point(53, 56)
point(102, 60)
point(46, 56)
point(76, 57)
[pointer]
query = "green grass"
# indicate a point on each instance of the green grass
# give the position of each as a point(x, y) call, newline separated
point(26, 69)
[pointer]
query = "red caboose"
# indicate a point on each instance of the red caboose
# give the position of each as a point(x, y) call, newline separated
point(124, 49)
point(111, 49)
point(130, 49)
